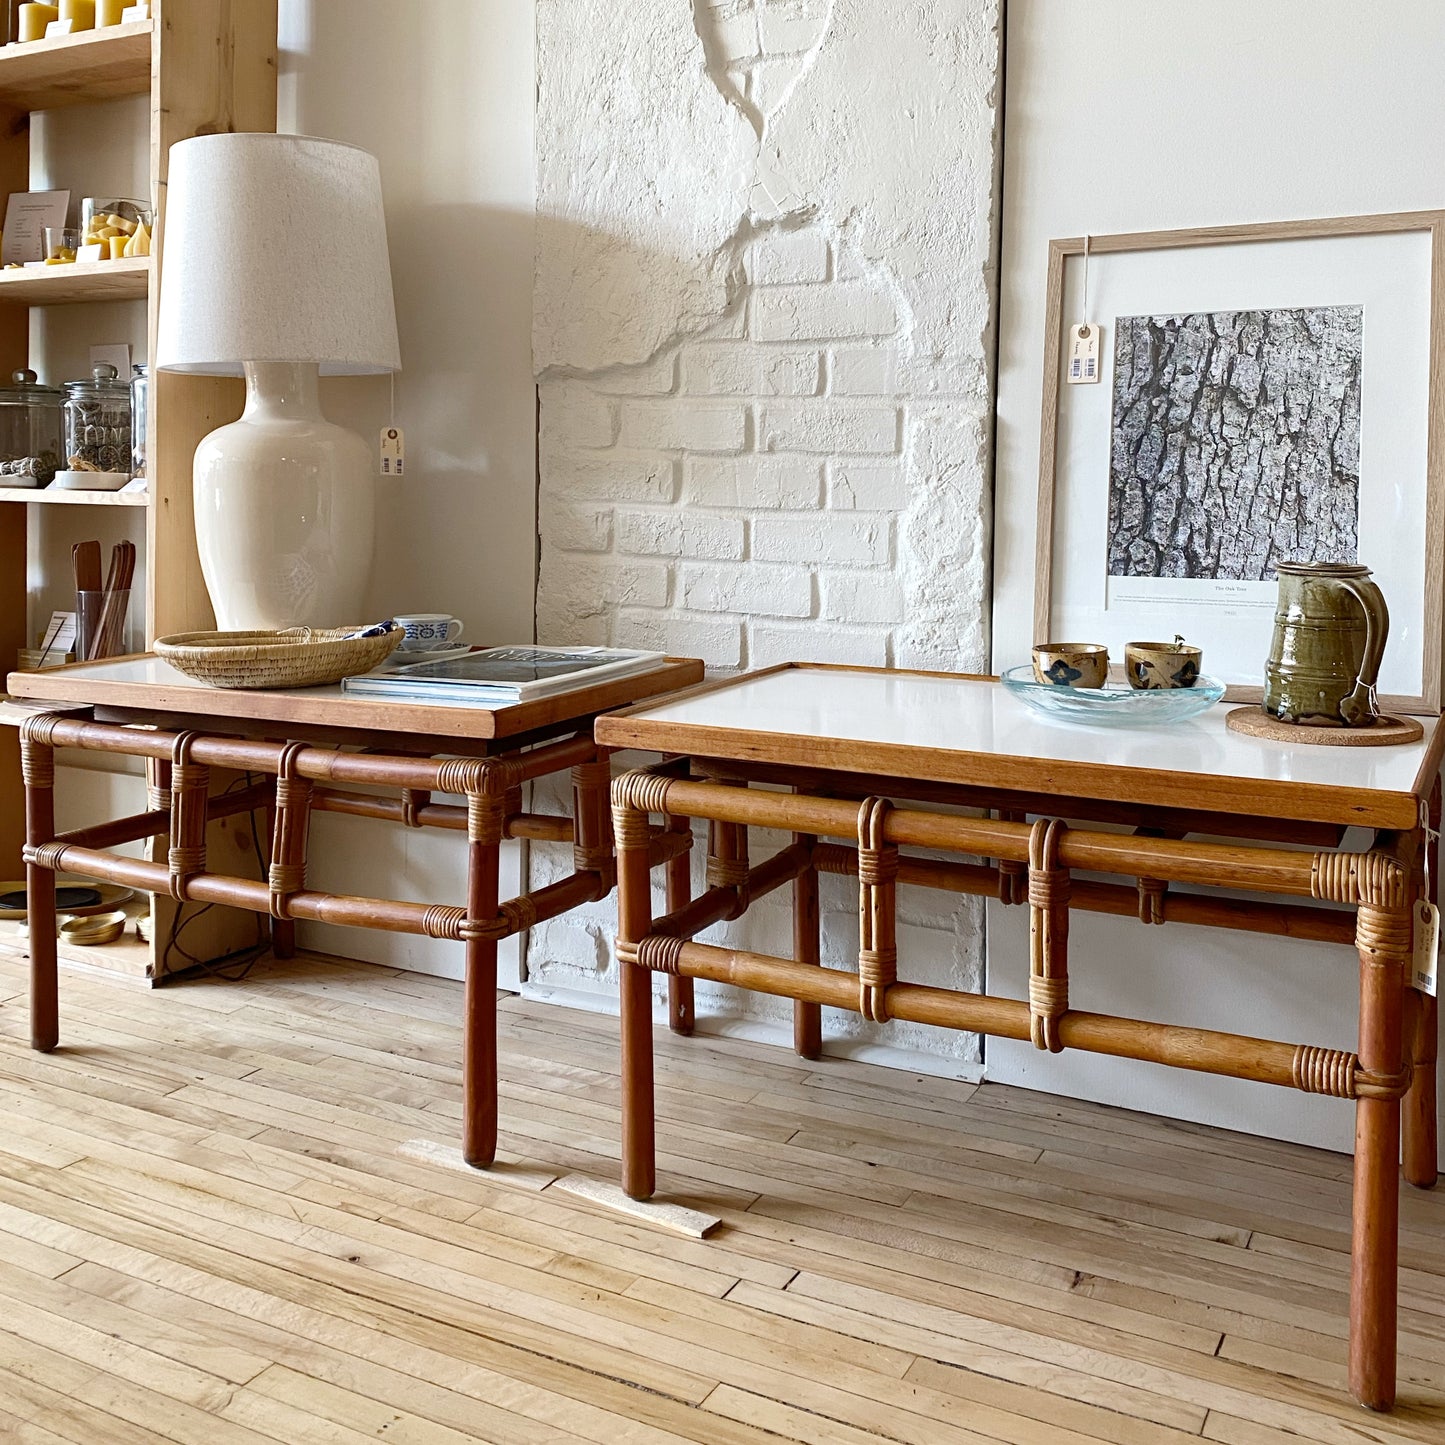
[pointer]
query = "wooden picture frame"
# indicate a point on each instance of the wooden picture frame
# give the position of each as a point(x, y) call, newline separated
point(1430, 224)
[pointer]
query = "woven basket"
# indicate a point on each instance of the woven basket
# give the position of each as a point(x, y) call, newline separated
point(297, 657)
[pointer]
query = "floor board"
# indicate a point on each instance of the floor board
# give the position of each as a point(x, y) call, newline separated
point(217, 1224)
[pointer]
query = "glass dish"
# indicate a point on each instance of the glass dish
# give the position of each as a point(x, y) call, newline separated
point(1115, 706)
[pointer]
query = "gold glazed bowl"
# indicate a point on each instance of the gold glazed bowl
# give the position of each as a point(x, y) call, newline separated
point(1071, 664)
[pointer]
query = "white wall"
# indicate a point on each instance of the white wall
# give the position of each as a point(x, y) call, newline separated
point(443, 94)
point(1124, 115)
point(763, 335)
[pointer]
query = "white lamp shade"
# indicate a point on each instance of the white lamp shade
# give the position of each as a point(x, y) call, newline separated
point(275, 250)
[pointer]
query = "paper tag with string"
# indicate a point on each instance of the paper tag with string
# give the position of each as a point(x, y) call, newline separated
point(1425, 967)
point(393, 442)
point(1085, 340)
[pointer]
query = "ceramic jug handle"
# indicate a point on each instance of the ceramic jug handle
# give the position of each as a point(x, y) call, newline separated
point(1359, 709)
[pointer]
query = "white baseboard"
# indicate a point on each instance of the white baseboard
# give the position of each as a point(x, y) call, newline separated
point(739, 1026)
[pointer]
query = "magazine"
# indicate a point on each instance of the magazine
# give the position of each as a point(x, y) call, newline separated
point(502, 675)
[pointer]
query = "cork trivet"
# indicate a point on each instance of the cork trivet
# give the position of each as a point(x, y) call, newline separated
point(1385, 732)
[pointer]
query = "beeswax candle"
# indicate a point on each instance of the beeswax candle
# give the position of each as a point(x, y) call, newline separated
point(34, 19)
point(80, 13)
point(107, 12)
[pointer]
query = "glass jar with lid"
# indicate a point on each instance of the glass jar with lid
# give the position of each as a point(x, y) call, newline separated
point(29, 432)
point(97, 426)
point(139, 406)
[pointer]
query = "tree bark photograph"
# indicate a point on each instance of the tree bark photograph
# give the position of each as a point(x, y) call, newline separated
point(1235, 442)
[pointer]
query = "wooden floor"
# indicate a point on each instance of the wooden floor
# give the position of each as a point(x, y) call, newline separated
point(217, 1225)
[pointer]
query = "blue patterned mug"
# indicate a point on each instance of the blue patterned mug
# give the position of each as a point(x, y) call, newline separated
point(427, 630)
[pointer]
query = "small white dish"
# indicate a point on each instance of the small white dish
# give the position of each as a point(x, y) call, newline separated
point(402, 658)
point(68, 481)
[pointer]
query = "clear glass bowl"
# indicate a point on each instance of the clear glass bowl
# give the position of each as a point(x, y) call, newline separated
point(1115, 706)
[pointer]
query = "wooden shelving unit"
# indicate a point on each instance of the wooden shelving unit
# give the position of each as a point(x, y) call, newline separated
point(208, 66)
point(55, 497)
point(78, 282)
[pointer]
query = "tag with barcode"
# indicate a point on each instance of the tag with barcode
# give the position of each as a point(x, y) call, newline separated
point(1083, 362)
point(393, 451)
point(1425, 970)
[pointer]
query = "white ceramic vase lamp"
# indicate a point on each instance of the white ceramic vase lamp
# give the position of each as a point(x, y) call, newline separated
point(275, 267)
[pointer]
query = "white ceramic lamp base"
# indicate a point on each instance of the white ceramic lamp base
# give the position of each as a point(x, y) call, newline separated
point(285, 509)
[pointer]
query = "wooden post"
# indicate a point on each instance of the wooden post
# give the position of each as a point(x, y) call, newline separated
point(1383, 941)
point(634, 921)
point(37, 762)
point(681, 1015)
point(486, 815)
point(807, 1017)
point(1422, 1148)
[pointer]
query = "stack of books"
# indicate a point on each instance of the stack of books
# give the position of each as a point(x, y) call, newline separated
point(502, 676)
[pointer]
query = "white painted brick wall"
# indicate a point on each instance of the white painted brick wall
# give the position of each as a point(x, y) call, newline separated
point(779, 480)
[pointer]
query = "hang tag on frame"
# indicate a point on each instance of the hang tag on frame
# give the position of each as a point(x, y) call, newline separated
point(393, 451)
point(1083, 363)
point(1425, 972)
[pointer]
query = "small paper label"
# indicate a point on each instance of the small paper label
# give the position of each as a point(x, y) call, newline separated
point(135, 12)
point(59, 27)
point(1083, 353)
point(92, 252)
point(1426, 971)
point(393, 451)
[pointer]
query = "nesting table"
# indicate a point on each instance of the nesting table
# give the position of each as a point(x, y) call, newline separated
point(315, 750)
point(847, 745)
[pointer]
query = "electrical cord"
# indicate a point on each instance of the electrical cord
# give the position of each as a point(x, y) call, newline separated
point(231, 967)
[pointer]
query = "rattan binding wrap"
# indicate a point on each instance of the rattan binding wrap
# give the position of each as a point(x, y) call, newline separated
point(297, 657)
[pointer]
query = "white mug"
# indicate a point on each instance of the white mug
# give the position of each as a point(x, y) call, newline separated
point(426, 630)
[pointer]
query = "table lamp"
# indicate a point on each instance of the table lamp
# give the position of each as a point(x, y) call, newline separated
point(274, 266)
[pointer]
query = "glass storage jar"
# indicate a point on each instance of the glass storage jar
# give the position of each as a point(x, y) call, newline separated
point(97, 423)
point(139, 392)
point(29, 432)
point(119, 226)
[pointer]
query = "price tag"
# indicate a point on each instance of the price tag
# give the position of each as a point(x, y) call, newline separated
point(393, 451)
point(132, 13)
point(1083, 353)
point(56, 28)
point(1425, 972)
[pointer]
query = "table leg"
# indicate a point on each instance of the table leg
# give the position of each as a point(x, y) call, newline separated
point(1422, 1148)
point(283, 930)
point(634, 922)
point(479, 1029)
point(1383, 940)
point(807, 1017)
point(38, 764)
point(680, 1013)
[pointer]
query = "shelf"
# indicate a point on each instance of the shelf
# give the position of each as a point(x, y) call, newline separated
point(77, 281)
point(59, 496)
point(72, 69)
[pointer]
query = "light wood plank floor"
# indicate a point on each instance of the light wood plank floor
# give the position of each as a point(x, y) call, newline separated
point(215, 1227)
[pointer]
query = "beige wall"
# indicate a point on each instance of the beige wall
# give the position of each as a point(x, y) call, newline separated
point(1127, 116)
point(442, 93)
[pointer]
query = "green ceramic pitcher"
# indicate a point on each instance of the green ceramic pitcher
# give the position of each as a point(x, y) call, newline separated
point(1330, 628)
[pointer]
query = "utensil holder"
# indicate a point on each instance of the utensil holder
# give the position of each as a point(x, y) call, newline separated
point(100, 630)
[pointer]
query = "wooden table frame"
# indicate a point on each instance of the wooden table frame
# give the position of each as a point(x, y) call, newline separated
point(844, 821)
point(300, 779)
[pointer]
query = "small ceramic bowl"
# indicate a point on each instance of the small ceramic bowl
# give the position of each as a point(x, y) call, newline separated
point(99, 928)
point(1072, 664)
point(1151, 665)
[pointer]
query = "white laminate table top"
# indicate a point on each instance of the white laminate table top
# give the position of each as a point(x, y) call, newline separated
point(972, 730)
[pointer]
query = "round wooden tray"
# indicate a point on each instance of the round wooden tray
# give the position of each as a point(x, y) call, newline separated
point(1386, 732)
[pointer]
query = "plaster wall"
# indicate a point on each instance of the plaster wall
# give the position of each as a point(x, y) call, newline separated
point(445, 101)
point(1314, 108)
point(763, 335)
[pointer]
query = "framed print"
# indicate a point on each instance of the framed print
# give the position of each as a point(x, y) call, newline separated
point(1264, 394)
